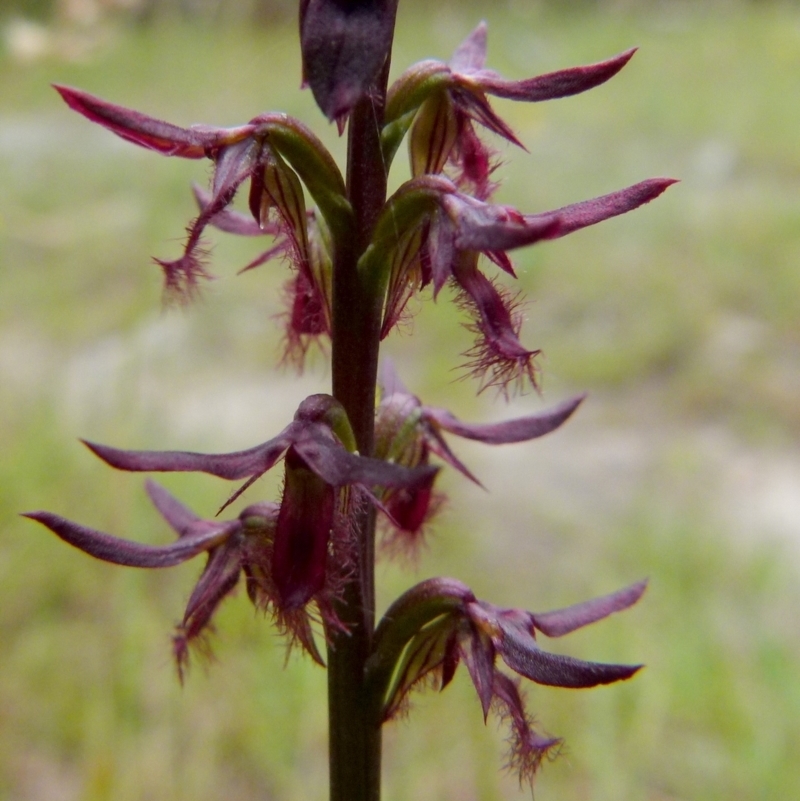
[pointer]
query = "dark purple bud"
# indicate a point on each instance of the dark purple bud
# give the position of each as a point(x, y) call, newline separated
point(409, 508)
point(345, 43)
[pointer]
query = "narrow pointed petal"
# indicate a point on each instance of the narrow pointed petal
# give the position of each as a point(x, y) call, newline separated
point(135, 554)
point(563, 621)
point(334, 465)
point(232, 466)
point(344, 44)
point(389, 379)
point(520, 430)
point(521, 653)
point(168, 139)
point(471, 101)
point(230, 221)
point(562, 83)
point(590, 212)
point(440, 447)
point(219, 579)
point(277, 251)
point(470, 55)
point(479, 656)
point(180, 517)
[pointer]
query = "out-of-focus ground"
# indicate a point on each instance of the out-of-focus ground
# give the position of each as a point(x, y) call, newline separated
point(682, 320)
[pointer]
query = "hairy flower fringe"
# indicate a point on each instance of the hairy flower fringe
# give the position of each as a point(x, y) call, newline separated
point(182, 276)
point(296, 624)
point(405, 546)
point(353, 503)
point(304, 322)
point(186, 649)
point(527, 749)
point(498, 359)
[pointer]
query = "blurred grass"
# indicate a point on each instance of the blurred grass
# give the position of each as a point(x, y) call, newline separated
point(681, 318)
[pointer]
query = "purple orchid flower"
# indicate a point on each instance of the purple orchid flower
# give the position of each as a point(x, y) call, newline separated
point(233, 547)
point(407, 432)
point(308, 292)
point(450, 231)
point(273, 151)
point(444, 101)
point(439, 623)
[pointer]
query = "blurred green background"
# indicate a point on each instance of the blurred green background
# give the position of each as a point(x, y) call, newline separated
point(681, 319)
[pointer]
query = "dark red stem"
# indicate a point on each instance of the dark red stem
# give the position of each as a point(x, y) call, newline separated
point(355, 735)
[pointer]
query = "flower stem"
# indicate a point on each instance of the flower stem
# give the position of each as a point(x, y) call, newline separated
point(354, 731)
